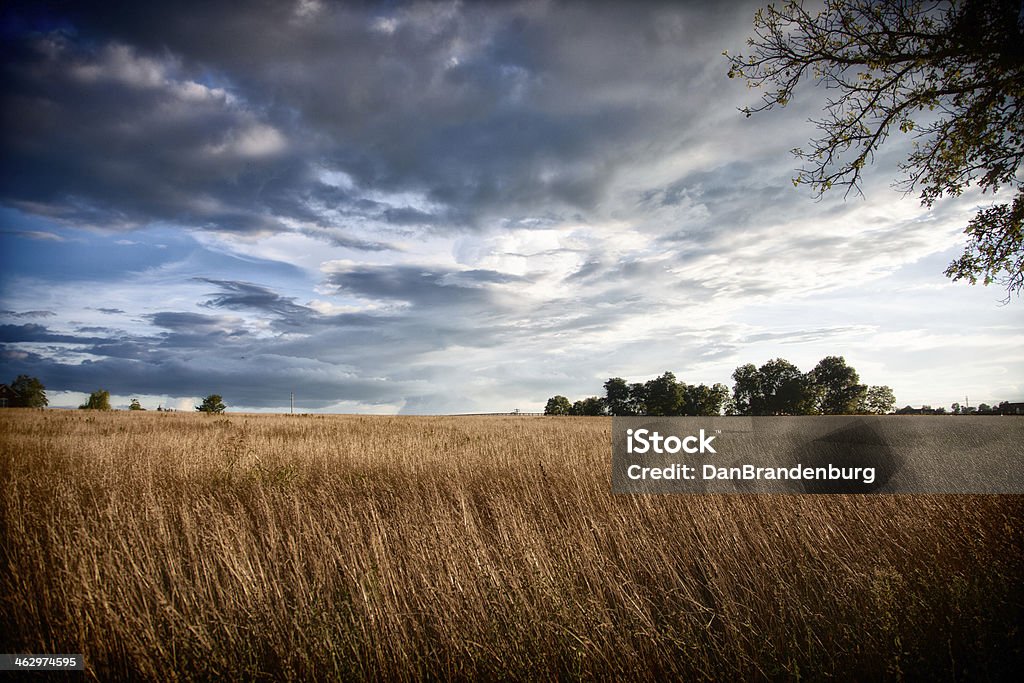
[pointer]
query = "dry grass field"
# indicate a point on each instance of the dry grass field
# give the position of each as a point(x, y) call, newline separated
point(181, 546)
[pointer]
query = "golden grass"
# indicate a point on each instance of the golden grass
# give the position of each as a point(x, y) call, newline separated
point(177, 547)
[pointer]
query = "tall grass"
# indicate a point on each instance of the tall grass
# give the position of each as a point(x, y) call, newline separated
point(178, 547)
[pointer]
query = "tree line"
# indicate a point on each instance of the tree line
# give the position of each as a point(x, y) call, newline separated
point(100, 400)
point(30, 392)
point(776, 388)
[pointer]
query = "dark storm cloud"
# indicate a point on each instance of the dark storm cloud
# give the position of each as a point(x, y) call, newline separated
point(127, 142)
point(194, 332)
point(216, 116)
point(245, 295)
point(409, 216)
point(177, 376)
point(188, 322)
point(96, 329)
point(193, 353)
point(27, 314)
point(422, 286)
point(187, 332)
point(339, 239)
point(39, 333)
point(180, 330)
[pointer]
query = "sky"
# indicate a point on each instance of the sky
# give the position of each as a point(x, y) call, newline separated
point(445, 207)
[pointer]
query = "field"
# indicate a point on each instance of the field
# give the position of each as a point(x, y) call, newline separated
point(171, 546)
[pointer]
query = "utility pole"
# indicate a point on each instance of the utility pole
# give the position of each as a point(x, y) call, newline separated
point(293, 403)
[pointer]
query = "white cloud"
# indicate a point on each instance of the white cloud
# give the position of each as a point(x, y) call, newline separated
point(385, 25)
point(118, 62)
point(254, 141)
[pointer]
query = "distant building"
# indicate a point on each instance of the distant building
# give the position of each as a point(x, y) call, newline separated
point(9, 398)
point(1007, 408)
point(923, 410)
point(1004, 408)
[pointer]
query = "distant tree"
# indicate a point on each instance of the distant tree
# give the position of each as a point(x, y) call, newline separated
point(638, 398)
point(557, 405)
point(664, 395)
point(838, 385)
point(877, 401)
point(796, 395)
point(729, 407)
point(617, 397)
point(787, 391)
point(984, 408)
point(594, 406)
point(135, 405)
point(719, 399)
point(956, 408)
point(98, 400)
point(700, 399)
point(776, 388)
point(31, 392)
point(747, 396)
point(591, 407)
point(950, 72)
point(212, 404)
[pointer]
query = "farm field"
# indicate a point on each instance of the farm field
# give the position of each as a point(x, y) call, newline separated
point(174, 546)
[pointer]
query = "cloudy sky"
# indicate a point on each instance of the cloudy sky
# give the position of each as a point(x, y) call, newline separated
point(445, 207)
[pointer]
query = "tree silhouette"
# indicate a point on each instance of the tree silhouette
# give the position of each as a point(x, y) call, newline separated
point(212, 404)
point(98, 400)
point(879, 400)
point(839, 388)
point(31, 392)
point(949, 72)
point(557, 405)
